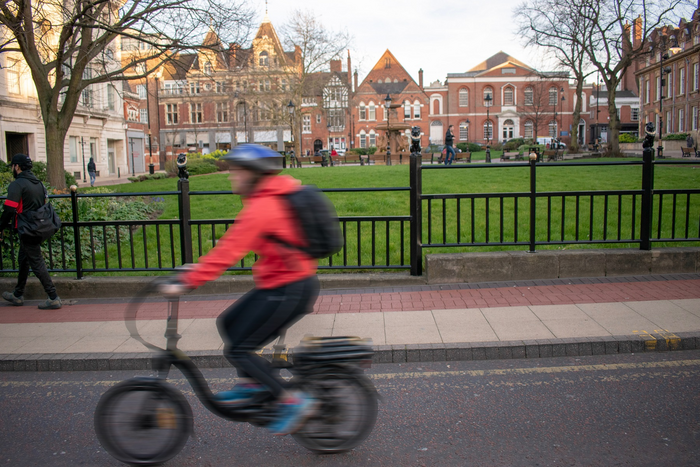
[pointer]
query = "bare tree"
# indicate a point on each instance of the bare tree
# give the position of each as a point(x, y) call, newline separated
point(537, 106)
point(70, 46)
point(553, 25)
point(315, 46)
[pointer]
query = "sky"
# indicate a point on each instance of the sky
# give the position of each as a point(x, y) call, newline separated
point(439, 36)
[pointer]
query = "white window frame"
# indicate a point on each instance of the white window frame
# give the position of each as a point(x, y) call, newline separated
point(363, 139)
point(222, 112)
point(171, 114)
point(372, 112)
point(681, 120)
point(416, 110)
point(509, 90)
point(73, 148)
point(306, 123)
point(406, 110)
point(681, 81)
point(696, 76)
point(464, 131)
point(529, 96)
point(464, 97)
point(372, 139)
point(634, 114)
point(196, 113)
point(363, 111)
point(143, 115)
point(142, 91)
point(529, 129)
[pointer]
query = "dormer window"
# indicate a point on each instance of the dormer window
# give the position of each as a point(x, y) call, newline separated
point(264, 59)
point(207, 68)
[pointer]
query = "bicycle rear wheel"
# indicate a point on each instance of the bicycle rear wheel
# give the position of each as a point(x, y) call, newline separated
point(143, 422)
point(346, 416)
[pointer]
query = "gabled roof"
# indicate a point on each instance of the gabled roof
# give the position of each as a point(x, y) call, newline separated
point(498, 60)
point(266, 32)
point(177, 68)
point(388, 76)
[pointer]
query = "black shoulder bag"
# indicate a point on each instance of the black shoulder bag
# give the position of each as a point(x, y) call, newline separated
point(41, 224)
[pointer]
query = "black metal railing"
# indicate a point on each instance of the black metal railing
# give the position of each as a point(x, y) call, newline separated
point(527, 219)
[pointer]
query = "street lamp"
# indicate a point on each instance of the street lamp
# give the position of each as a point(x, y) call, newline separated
point(290, 109)
point(387, 105)
point(597, 111)
point(488, 100)
point(674, 49)
point(82, 147)
point(561, 117)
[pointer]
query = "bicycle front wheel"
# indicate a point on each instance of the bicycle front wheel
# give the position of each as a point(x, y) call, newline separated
point(143, 422)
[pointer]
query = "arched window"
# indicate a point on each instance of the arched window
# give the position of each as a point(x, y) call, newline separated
point(264, 59)
point(529, 96)
point(508, 129)
point(553, 96)
point(372, 138)
point(363, 139)
point(363, 111)
point(416, 109)
point(207, 68)
point(528, 129)
point(406, 110)
point(372, 112)
point(463, 97)
point(488, 92)
point(488, 130)
point(553, 128)
point(464, 131)
point(436, 107)
point(508, 96)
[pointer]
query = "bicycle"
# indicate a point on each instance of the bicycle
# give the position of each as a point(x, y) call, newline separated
point(145, 420)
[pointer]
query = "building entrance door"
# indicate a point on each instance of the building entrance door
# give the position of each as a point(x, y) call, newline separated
point(112, 166)
point(16, 143)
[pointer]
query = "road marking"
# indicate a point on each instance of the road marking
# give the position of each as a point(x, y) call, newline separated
point(404, 375)
point(673, 342)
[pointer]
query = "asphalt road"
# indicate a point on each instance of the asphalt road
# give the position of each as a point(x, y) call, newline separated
point(634, 410)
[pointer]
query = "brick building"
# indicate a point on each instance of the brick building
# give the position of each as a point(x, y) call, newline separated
point(678, 98)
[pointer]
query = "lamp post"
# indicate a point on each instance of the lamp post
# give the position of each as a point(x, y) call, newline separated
point(151, 168)
point(597, 111)
point(290, 109)
point(82, 149)
point(561, 115)
point(387, 105)
point(131, 143)
point(488, 100)
point(159, 73)
point(674, 49)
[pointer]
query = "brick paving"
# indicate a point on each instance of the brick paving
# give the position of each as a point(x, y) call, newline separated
point(390, 299)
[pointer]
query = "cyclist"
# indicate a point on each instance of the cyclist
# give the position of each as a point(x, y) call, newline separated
point(286, 286)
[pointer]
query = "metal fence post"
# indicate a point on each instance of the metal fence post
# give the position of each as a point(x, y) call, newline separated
point(183, 186)
point(533, 200)
point(647, 199)
point(76, 232)
point(416, 216)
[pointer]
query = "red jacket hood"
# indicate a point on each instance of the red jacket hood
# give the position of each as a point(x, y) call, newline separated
point(276, 185)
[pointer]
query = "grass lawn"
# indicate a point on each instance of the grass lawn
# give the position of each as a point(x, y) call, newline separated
point(388, 235)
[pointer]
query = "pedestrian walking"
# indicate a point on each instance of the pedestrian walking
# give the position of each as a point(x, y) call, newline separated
point(449, 150)
point(334, 153)
point(92, 171)
point(690, 141)
point(25, 194)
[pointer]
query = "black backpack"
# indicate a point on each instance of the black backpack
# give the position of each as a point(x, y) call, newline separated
point(318, 220)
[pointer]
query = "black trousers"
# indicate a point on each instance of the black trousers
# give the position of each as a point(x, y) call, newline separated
point(256, 320)
point(30, 257)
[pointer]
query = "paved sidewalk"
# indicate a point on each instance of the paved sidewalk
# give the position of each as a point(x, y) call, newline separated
point(525, 319)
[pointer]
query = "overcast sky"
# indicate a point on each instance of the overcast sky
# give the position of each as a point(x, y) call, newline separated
point(439, 36)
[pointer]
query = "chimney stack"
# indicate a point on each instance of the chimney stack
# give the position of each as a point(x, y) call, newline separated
point(336, 65)
point(420, 76)
point(355, 79)
point(350, 67)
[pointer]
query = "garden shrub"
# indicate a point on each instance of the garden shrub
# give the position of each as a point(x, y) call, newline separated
point(627, 138)
point(675, 136)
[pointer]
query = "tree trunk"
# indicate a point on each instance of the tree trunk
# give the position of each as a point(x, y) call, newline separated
point(576, 115)
point(614, 126)
point(55, 139)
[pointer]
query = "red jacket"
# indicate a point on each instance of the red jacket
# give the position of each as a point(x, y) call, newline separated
point(265, 212)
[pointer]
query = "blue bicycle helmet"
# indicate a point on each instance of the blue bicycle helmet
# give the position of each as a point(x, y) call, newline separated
point(255, 157)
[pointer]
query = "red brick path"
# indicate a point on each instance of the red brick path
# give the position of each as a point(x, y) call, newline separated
point(358, 302)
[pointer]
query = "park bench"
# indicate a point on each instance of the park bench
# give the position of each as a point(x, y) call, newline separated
point(318, 160)
point(551, 155)
point(428, 157)
point(508, 155)
point(687, 152)
point(463, 156)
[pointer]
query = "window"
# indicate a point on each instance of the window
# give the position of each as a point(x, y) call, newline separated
point(93, 149)
point(681, 120)
point(141, 90)
point(13, 83)
point(241, 112)
point(647, 91)
point(141, 68)
point(132, 114)
point(86, 94)
point(696, 76)
point(318, 118)
point(372, 112)
point(306, 123)
point(267, 85)
point(658, 88)
point(73, 148)
point(207, 68)
point(363, 139)
point(488, 130)
point(464, 131)
point(668, 122)
point(508, 96)
point(406, 110)
point(681, 81)
point(488, 96)
point(110, 97)
point(372, 138)
point(363, 111)
point(508, 129)
point(195, 113)
point(194, 87)
point(463, 97)
point(529, 96)
point(264, 59)
point(553, 94)
point(222, 112)
point(553, 129)
point(416, 110)
point(283, 85)
point(528, 129)
point(143, 115)
point(171, 114)
point(220, 86)
point(634, 114)
point(694, 117)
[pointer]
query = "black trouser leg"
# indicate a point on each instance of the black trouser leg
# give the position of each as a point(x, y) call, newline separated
point(256, 320)
point(30, 257)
